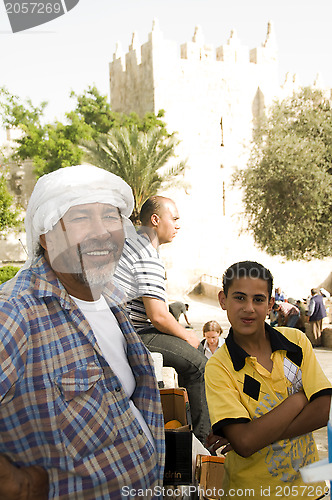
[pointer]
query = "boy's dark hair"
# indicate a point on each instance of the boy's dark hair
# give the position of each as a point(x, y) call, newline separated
point(152, 205)
point(247, 269)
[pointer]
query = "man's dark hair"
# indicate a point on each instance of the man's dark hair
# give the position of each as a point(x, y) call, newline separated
point(152, 205)
point(247, 269)
point(40, 250)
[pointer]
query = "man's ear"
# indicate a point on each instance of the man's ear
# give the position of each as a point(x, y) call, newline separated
point(154, 220)
point(42, 241)
point(222, 299)
point(46, 241)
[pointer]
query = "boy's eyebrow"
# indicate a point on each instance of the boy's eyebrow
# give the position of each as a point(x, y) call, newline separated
point(245, 294)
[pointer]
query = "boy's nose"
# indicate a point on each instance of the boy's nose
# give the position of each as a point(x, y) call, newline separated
point(249, 306)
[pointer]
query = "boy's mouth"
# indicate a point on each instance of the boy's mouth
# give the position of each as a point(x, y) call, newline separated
point(247, 321)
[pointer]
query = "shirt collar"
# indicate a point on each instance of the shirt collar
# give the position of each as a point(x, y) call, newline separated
point(48, 284)
point(278, 343)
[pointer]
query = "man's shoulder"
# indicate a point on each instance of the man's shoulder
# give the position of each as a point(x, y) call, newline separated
point(28, 284)
point(139, 247)
point(21, 283)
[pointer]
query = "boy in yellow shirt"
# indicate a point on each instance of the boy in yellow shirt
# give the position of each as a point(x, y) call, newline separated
point(266, 393)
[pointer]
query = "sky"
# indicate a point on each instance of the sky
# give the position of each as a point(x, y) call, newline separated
point(73, 51)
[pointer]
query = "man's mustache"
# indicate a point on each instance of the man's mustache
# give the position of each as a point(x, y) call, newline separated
point(98, 246)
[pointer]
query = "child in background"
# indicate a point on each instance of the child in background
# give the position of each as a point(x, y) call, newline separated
point(212, 339)
point(266, 393)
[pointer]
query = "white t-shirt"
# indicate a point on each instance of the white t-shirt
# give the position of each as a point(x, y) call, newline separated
point(114, 348)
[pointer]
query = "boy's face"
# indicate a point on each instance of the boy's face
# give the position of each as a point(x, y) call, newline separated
point(247, 305)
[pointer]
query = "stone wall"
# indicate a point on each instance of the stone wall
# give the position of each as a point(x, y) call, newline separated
point(212, 98)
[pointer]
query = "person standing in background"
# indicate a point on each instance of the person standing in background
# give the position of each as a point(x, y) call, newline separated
point(316, 313)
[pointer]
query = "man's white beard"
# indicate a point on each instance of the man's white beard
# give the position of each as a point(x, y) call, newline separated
point(97, 277)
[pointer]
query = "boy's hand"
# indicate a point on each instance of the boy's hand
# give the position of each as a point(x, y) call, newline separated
point(24, 483)
point(213, 443)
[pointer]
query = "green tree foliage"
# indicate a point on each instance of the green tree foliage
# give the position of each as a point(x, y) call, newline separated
point(49, 145)
point(55, 145)
point(7, 272)
point(288, 182)
point(140, 158)
point(94, 110)
point(9, 216)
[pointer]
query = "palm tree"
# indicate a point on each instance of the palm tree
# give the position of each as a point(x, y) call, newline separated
point(139, 158)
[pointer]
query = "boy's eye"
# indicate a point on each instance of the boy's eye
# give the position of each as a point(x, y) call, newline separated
point(238, 297)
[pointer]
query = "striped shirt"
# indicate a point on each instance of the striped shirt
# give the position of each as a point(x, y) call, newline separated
point(140, 273)
point(62, 406)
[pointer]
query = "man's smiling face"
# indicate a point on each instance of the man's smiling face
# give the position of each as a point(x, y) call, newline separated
point(86, 243)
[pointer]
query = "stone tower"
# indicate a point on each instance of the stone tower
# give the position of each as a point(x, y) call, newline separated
point(212, 99)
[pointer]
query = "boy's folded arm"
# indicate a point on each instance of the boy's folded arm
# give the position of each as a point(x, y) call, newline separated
point(247, 438)
point(313, 416)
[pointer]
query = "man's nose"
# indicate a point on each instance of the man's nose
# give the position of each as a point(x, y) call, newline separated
point(98, 227)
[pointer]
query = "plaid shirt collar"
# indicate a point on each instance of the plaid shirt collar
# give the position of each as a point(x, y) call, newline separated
point(47, 285)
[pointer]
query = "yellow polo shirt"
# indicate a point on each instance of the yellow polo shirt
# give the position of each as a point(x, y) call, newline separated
point(239, 389)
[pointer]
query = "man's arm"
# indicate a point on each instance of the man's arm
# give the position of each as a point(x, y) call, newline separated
point(247, 438)
point(157, 312)
point(186, 318)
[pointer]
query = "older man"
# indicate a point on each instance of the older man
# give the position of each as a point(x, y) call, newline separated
point(316, 314)
point(80, 415)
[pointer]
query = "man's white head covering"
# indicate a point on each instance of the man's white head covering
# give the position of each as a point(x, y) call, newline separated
point(67, 187)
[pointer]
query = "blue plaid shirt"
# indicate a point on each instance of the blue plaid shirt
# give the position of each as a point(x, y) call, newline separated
point(62, 407)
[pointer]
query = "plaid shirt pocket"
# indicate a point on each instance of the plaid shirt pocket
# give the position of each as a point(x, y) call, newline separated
point(82, 411)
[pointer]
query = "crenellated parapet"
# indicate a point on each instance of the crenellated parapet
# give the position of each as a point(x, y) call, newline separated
point(233, 51)
point(268, 52)
point(144, 78)
point(197, 49)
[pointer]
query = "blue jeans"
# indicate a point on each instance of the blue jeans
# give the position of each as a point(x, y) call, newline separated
point(190, 365)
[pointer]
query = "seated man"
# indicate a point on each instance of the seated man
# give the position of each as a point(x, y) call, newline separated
point(80, 413)
point(141, 274)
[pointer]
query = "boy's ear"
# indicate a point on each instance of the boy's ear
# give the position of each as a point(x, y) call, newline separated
point(271, 303)
point(222, 299)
